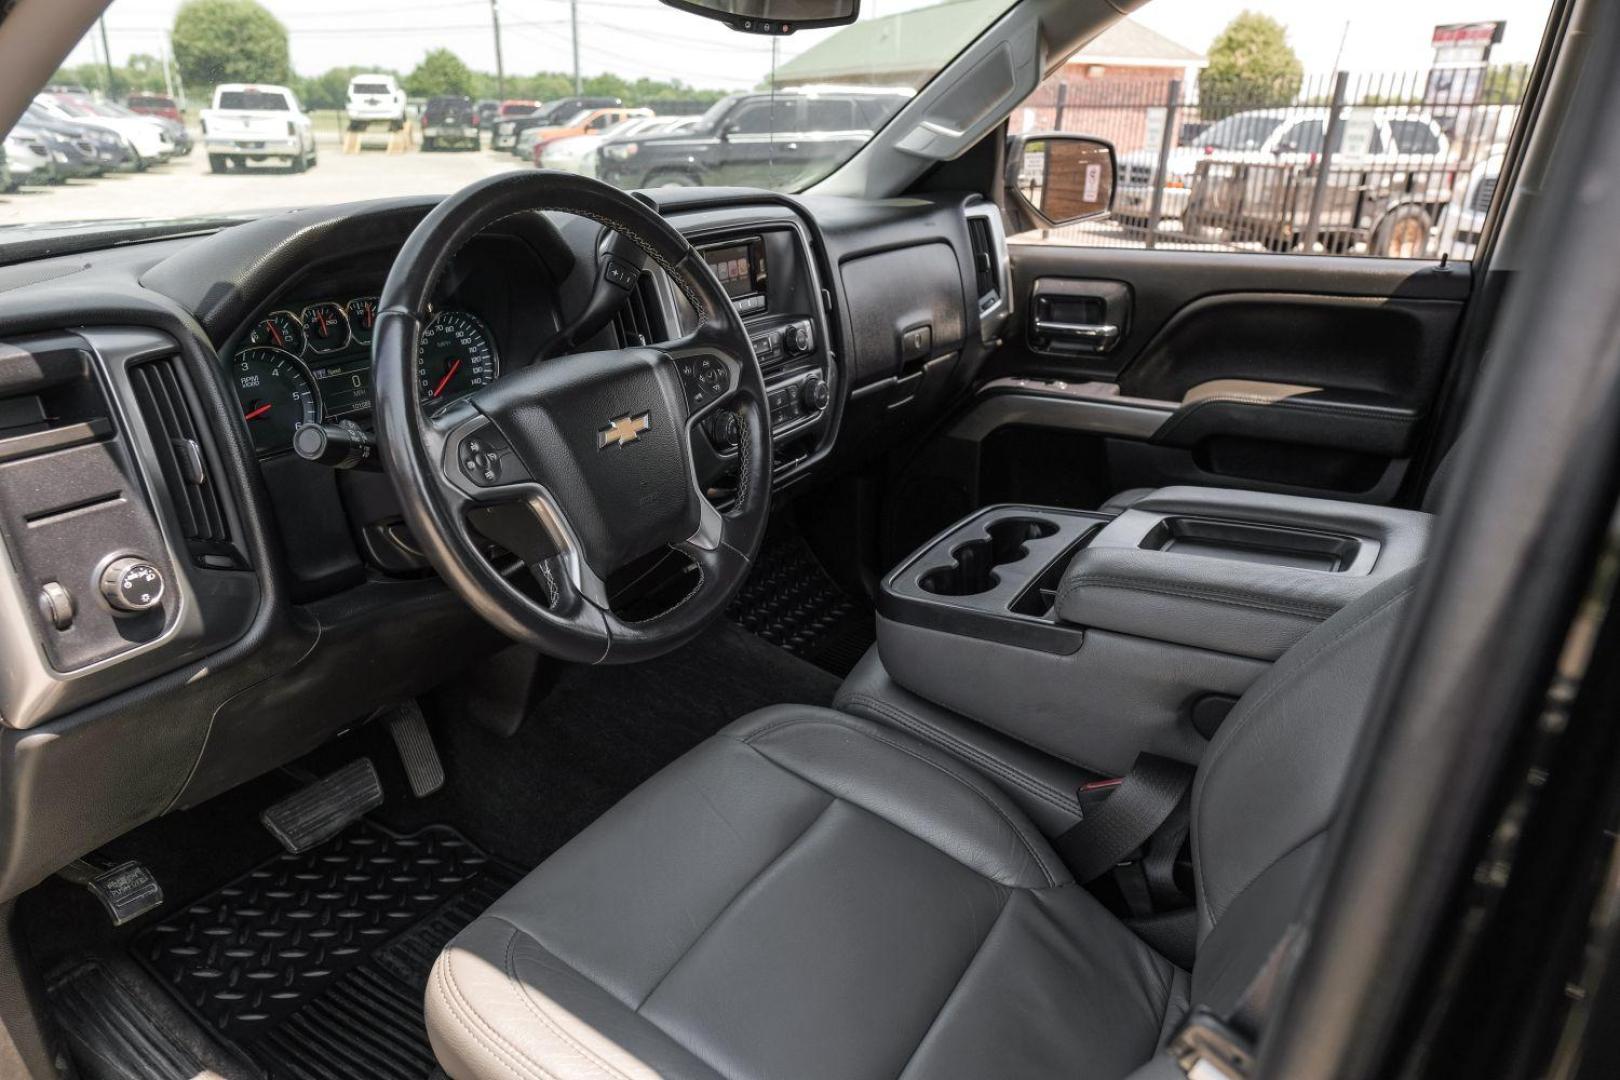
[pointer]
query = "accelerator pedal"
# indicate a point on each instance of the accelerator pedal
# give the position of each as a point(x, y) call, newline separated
point(417, 753)
point(325, 808)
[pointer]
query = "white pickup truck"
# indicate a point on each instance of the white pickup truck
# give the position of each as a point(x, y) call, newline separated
point(257, 123)
point(375, 99)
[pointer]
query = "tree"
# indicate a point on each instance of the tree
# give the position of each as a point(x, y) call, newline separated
point(1251, 65)
point(440, 72)
point(223, 41)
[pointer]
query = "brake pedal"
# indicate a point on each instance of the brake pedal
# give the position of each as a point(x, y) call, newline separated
point(325, 808)
point(417, 753)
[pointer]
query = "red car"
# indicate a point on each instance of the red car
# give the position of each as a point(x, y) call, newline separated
point(154, 105)
point(518, 107)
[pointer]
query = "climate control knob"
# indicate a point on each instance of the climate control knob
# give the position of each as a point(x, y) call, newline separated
point(798, 338)
point(131, 584)
point(813, 393)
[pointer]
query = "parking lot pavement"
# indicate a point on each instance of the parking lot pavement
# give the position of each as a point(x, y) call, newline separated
point(185, 187)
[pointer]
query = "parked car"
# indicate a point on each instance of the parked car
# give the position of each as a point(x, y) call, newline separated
point(450, 121)
point(28, 155)
point(375, 99)
point(6, 184)
point(1462, 228)
point(150, 142)
point(155, 105)
point(488, 110)
point(255, 123)
point(93, 151)
point(174, 129)
point(1282, 136)
point(577, 154)
point(1389, 181)
point(779, 141)
point(560, 113)
point(584, 122)
point(503, 136)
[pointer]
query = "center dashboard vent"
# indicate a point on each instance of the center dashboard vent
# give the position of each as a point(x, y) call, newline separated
point(637, 322)
point(182, 458)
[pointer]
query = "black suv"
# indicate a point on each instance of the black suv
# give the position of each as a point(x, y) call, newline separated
point(776, 141)
point(450, 121)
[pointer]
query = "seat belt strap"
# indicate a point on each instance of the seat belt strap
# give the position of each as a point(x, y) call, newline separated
point(1144, 800)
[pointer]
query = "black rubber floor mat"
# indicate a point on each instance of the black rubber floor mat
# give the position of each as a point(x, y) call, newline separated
point(790, 601)
point(113, 1035)
point(313, 965)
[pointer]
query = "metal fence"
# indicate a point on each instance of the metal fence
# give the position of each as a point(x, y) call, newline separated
point(1368, 164)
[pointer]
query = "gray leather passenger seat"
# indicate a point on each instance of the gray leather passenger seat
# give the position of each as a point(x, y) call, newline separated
point(812, 894)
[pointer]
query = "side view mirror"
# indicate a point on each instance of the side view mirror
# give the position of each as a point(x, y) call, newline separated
point(1286, 148)
point(773, 16)
point(727, 131)
point(1059, 179)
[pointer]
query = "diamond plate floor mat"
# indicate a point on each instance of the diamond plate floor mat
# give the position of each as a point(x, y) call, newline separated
point(790, 601)
point(313, 965)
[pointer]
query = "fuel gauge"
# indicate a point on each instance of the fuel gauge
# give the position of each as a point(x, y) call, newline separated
point(279, 330)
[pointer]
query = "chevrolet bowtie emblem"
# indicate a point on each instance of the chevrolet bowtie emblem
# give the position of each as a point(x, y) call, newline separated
point(626, 429)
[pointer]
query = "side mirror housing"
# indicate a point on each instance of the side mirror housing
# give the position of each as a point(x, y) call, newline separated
point(1059, 179)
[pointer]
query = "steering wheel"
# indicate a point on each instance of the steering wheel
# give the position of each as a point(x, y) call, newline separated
point(581, 464)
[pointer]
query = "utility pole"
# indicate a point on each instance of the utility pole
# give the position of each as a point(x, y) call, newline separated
point(106, 54)
point(500, 67)
point(573, 22)
point(168, 79)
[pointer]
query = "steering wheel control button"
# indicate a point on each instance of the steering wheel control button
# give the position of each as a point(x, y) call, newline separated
point(487, 459)
point(621, 274)
point(56, 605)
point(705, 378)
point(131, 584)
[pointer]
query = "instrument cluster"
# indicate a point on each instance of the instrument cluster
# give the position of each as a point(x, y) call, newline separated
point(312, 364)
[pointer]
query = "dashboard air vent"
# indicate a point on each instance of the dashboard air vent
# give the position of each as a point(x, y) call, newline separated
point(175, 435)
point(635, 322)
point(985, 278)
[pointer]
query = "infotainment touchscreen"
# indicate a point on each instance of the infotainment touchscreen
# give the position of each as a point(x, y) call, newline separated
point(740, 268)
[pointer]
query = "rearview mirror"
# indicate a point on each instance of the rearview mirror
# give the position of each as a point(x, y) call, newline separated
point(1060, 179)
point(773, 16)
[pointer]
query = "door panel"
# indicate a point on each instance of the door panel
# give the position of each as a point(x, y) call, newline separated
point(1252, 355)
point(1311, 375)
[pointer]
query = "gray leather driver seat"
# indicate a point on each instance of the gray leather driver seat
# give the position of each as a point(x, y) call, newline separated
point(809, 894)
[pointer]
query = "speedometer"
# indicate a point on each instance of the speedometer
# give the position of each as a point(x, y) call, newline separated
point(457, 357)
point(277, 395)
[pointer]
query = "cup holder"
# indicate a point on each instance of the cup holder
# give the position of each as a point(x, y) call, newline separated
point(972, 570)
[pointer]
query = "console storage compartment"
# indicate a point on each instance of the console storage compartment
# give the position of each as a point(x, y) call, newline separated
point(1096, 638)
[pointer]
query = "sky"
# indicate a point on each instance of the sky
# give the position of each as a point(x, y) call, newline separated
point(642, 37)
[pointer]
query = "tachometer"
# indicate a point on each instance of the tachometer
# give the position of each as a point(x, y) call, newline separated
point(280, 330)
point(277, 395)
point(362, 313)
point(326, 328)
point(458, 356)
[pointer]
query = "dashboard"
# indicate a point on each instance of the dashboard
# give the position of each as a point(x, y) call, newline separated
point(149, 399)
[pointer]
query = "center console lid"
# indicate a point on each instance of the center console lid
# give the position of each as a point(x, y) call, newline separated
point(1239, 572)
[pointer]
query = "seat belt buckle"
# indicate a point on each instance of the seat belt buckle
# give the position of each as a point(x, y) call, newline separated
point(1206, 1048)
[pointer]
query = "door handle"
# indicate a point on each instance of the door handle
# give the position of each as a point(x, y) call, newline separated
point(1090, 333)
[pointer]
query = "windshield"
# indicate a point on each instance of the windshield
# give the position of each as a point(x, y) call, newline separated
point(778, 113)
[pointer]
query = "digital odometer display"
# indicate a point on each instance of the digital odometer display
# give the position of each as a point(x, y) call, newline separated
point(345, 385)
